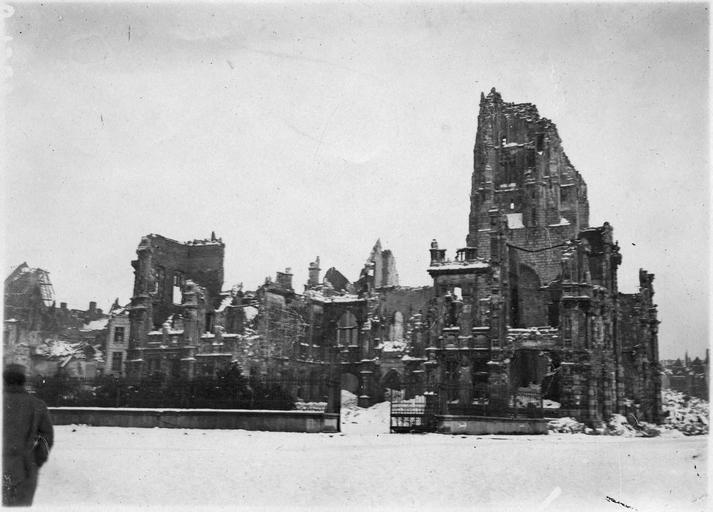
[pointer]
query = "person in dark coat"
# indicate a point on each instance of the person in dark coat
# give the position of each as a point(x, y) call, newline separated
point(25, 417)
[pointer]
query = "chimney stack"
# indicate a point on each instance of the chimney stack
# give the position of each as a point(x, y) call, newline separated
point(314, 270)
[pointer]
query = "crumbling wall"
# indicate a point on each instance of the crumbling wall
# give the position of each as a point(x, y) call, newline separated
point(165, 265)
point(521, 169)
point(379, 270)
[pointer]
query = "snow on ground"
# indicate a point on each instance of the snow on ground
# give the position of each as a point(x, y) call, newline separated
point(357, 420)
point(106, 467)
point(365, 467)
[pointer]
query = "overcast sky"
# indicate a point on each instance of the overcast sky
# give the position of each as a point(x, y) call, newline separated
point(301, 130)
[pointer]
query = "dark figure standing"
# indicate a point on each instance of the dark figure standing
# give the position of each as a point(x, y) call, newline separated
point(25, 417)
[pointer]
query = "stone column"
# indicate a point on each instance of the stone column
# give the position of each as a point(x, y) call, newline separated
point(498, 385)
point(567, 397)
point(365, 384)
point(620, 387)
point(334, 398)
point(430, 385)
point(191, 330)
point(418, 383)
point(592, 413)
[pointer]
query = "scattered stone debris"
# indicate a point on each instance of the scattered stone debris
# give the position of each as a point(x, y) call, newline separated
point(566, 425)
point(687, 416)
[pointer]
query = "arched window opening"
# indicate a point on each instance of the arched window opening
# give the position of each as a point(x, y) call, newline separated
point(397, 327)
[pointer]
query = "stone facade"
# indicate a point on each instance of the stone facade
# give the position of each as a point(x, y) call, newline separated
point(182, 325)
point(117, 341)
point(169, 310)
point(530, 306)
point(532, 301)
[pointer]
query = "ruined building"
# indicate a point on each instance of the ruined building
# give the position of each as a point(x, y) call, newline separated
point(170, 311)
point(530, 307)
point(45, 338)
point(182, 324)
point(690, 377)
point(532, 301)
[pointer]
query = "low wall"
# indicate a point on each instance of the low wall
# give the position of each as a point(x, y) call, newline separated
point(277, 421)
point(450, 424)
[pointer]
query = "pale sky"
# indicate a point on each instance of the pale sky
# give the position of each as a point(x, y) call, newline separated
point(296, 130)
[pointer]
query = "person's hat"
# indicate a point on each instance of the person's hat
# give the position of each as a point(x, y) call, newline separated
point(14, 374)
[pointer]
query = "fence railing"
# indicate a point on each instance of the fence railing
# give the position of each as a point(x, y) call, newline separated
point(490, 400)
point(414, 415)
point(311, 394)
point(468, 399)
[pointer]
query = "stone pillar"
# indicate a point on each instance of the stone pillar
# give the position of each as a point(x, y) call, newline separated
point(498, 326)
point(567, 395)
point(140, 321)
point(364, 399)
point(498, 385)
point(658, 401)
point(620, 387)
point(592, 413)
point(191, 329)
point(430, 384)
point(608, 400)
point(417, 341)
point(430, 369)
point(418, 382)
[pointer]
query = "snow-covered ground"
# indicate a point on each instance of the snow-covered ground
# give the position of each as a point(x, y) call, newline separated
point(110, 467)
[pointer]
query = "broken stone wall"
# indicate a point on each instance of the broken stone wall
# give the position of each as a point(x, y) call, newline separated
point(521, 169)
point(164, 266)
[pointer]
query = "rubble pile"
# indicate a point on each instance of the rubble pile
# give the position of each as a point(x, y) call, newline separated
point(618, 425)
point(685, 413)
point(60, 349)
point(566, 425)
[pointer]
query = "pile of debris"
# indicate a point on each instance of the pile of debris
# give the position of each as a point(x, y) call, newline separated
point(618, 425)
point(60, 349)
point(685, 413)
point(566, 425)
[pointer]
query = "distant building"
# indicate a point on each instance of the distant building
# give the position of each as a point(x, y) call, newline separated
point(117, 340)
point(691, 377)
point(47, 339)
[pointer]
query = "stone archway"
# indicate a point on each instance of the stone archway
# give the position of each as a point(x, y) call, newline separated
point(392, 384)
point(392, 380)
